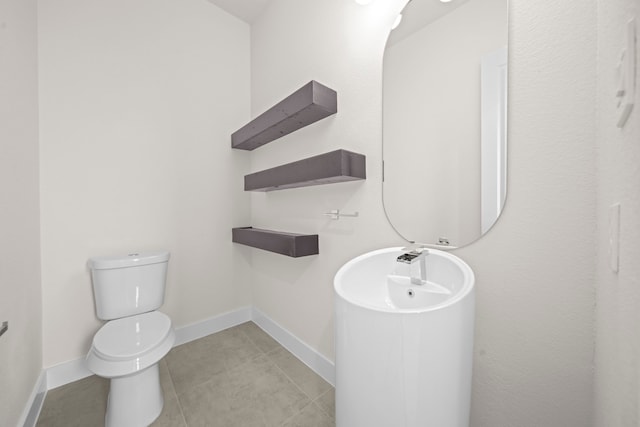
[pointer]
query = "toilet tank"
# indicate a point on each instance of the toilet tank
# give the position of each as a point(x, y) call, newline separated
point(129, 284)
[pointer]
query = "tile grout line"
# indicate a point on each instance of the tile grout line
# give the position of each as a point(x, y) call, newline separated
point(295, 384)
point(324, 411)
point(175, 392)
point(284, 423)
point(268, 355)
point(311, 400)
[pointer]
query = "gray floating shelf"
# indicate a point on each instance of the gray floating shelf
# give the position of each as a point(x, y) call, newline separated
point(328, 168)
point(290, 244)
point(307, 105)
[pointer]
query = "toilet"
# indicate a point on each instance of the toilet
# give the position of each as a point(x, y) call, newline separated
point(128, 290)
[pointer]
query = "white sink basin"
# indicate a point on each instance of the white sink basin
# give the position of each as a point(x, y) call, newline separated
point(377, 281)
point(402, 294)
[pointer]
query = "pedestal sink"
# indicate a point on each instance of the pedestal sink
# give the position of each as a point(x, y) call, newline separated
point(403, 350)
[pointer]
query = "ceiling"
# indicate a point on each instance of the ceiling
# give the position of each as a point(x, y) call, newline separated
point(246, 10)
point(417, 14)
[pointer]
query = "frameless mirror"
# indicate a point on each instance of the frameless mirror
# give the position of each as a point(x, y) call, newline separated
point(445, 120)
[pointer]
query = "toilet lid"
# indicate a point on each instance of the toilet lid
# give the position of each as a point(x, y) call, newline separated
point(131, 336)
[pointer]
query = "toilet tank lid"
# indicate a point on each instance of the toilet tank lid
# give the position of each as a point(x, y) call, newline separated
point(129, 260)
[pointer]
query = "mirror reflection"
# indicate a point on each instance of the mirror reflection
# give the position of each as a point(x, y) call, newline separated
point(445, 120)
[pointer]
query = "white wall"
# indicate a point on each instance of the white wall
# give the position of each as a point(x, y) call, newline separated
point(339, 44)
point(617, 375)
point(534, 270)
point(138, 101)
point(432, 123)
point(20, 298)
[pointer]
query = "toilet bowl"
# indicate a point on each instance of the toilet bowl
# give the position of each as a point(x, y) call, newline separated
point(129, 346)
point(127, 351)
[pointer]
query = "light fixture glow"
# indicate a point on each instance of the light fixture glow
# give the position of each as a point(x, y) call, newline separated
point(363, 2)
point(445, 1)
point(397, 22)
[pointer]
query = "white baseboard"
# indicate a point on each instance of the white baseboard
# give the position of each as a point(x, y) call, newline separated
point(67, 372)
point(307, 355)
point(212, 325)
point(74, 370)
point(32, 409)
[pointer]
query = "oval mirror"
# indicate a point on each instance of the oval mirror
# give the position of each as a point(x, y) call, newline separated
point(445, 120)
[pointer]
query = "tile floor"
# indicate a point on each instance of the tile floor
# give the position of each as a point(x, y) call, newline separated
point(236, 377)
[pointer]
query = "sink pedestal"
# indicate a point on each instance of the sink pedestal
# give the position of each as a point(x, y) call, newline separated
point(402, 361)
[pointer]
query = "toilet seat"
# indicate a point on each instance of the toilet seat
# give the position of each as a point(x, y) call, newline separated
point(131, 344)
point(131, 336)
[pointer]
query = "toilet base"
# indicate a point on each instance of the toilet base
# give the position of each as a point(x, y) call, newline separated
point(135, 400)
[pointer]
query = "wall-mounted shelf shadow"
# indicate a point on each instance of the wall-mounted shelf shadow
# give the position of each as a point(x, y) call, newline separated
point(307, 105)
point(328, 168)
point(290, 244)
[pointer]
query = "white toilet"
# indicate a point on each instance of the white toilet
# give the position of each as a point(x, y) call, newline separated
point(127, 291)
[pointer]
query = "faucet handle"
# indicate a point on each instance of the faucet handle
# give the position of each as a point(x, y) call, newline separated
point(413, 255)
point(407, 257)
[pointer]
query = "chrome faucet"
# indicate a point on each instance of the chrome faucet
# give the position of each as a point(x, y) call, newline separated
point(416, 254)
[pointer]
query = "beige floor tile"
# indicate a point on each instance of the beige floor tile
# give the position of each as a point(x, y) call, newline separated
point(259, 337)
point(236, 348)
point(193, 363)
point(196, 362)
point(327, 402)
point(168, 391)
point(171, 415)
point(309, 382)
point(225, 379)
point(260, 387)
point(253, 372)
point(81, 403)
point(207, 405)
point(310, 416)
